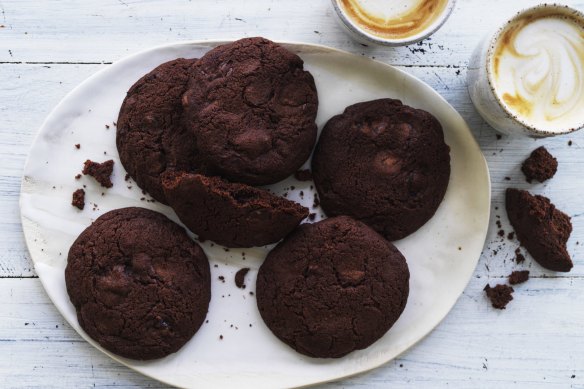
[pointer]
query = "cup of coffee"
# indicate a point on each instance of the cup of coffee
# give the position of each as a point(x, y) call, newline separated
point(528, 77)
point(392, 22)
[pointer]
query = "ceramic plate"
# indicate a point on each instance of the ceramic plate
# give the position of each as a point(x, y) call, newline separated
point(441, 255)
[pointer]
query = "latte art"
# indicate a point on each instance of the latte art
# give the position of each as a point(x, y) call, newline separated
point(537, 70)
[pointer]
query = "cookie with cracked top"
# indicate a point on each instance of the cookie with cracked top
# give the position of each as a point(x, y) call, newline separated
point(151, 136)
point(383, 163)
point(252, 107)
point(231, 214)
point(141, 287)
point(332, 287)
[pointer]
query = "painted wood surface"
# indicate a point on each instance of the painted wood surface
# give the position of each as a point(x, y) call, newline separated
point(47, 47)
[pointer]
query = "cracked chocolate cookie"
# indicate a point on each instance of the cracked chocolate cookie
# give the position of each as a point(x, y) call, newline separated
point(252, 108)
point(140, 285)
point(233, 215)
point(383, 163)
point(151, 136)
point(332, 287)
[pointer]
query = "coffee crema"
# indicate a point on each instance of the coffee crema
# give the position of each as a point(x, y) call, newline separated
point(537, 70)
point(394, 19)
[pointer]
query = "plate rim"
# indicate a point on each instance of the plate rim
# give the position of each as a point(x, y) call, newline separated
point(211, 43)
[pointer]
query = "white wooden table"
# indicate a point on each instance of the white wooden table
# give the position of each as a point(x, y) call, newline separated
point(49, 46)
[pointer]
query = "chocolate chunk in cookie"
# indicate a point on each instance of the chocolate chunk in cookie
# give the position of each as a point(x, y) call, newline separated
point(541, 228)
point(332, 287)
point(383, 163)
point(540, 165)
point(252, 108)
point(234, 215)
point(140, 285)
point(151, 136)
point(100, 171)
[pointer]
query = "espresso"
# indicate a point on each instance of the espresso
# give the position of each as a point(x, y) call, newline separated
point(394, 19)
point(537, 69)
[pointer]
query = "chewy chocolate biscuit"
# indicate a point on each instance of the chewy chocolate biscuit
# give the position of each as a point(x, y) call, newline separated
point(140, 285)
point(151, 137)
point(541, 228)
point(252, 108)
point(233, 215)
point(383, 163)
point(332, 287)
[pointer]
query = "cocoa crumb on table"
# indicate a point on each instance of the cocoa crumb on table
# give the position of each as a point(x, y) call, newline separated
point(78, 199)
point(500, 295)
point(518, 277)
point(240, 277)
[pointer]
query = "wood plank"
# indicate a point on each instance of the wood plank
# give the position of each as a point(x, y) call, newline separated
point(106, 30)
point(537, 341)
point(23, 112)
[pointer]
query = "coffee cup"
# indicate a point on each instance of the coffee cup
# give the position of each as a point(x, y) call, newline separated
point(528, 76)
point(392, 22)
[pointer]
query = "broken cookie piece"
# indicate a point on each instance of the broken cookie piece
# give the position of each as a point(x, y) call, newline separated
point(100, 171)
point(518, 277)
point(540, 165)
point(500, 295)
point(541, 228)
point(78, 199)
point(234, 215)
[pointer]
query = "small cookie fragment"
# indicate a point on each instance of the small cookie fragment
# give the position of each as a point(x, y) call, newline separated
point(100, 171)
point(240, 277)
point(541, 228)
point(540, 165)
point(78, 199)
point(500, 295)
point(518, 277)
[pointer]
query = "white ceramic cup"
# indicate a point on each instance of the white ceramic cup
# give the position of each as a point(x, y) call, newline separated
point(364, 35)
point(481, 83)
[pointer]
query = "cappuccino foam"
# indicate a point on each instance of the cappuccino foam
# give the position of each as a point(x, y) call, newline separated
point(537, 70)
point(394, 19)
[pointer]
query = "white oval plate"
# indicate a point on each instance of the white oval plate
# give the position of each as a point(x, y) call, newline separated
point(441, 255)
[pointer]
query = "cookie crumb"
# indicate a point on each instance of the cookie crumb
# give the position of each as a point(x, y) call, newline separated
point(499, 136)
point(78, 199)
point(240, 277)
point(500, 295)
point(540, 165)
point(100, 171)
point(78, 146)
point(518, 277)
point(511, 235)
point(78, 176)
point(312, 216)
point(222, 279)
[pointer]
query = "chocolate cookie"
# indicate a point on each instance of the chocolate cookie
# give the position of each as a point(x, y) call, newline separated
point(234, 215)
point(151, 137)
point(332, 287)
point(541, 228)
point(383, 163)
point(140, 285)
point(252, 108)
